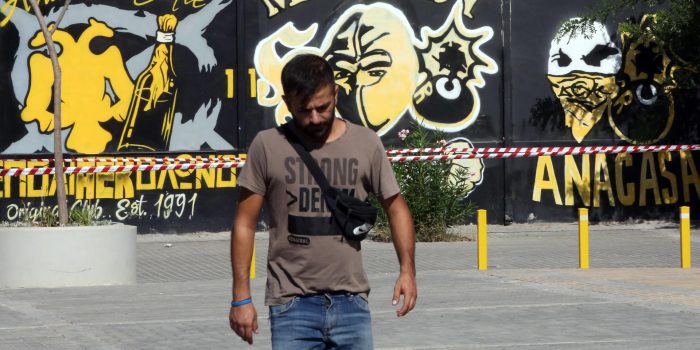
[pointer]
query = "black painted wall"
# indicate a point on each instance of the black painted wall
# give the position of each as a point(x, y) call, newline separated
point(488, 73)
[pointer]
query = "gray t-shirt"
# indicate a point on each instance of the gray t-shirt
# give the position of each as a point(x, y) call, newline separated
point(304, 256)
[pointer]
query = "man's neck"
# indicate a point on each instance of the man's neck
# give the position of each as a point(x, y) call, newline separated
point(337, 130)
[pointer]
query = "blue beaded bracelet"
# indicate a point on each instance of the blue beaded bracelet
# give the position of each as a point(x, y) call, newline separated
point(241, 302)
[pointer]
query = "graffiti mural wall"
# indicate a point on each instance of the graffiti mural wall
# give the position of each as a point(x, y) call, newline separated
point(139, 77)
point(186, 78)
point(604, 89)
point(399, 65)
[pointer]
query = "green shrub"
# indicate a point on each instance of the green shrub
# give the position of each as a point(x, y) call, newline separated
point(82, 216)
point(435, 191)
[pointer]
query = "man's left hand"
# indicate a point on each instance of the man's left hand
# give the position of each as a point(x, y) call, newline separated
point(406, 286)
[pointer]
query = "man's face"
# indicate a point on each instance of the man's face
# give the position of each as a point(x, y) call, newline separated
point(314, 117)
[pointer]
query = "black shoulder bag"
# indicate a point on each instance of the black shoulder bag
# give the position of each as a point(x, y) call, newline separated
point(354, 216)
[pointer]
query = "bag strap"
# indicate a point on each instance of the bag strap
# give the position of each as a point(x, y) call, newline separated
point(311, 164)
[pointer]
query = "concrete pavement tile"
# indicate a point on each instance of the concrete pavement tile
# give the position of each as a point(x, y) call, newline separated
point(642, 301)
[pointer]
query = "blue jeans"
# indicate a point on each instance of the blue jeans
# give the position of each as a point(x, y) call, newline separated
point(322, 321)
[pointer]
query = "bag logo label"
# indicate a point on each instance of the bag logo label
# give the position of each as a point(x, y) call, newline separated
point(361, 230)
point(298, 240)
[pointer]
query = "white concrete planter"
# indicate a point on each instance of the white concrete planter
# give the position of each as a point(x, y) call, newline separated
point(67, 256)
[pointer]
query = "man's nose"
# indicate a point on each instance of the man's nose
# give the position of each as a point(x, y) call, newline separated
point(316, 117)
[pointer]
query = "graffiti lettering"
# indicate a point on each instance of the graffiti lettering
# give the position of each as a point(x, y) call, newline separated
point(274, 6)
point(230, 75)
point(94, 209)
point(111, 185)
point(253, 82)
point(8, 9)
point(657, 179)
point(168, 204)
point(127, 208)
point(28, 213)
point(192, 3)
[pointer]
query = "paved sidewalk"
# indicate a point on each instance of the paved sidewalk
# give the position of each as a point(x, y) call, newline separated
point(533, 296)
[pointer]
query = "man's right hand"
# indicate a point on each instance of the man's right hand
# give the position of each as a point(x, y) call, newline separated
point(244, 321)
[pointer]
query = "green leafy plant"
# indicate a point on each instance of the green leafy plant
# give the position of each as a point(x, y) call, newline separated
point(47, 217)
point(82, 216)
point(435, 191)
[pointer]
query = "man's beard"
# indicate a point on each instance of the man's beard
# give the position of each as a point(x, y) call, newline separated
point(318, 132)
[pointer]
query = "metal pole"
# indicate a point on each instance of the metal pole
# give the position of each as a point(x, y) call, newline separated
point(482, 246)
point(685, 237)
point(583, 238)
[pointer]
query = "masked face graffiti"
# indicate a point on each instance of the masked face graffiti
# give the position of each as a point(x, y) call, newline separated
point(582, 72)
point(375, 66)
point(632, 87)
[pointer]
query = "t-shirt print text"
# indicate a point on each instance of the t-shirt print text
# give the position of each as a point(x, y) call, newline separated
point(342, 173)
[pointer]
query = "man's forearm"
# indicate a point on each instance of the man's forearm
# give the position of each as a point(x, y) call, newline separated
point(404, 243)
point(242, 243)
point(402, 233)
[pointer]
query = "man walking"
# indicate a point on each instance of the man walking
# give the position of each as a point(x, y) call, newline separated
point(317, 288)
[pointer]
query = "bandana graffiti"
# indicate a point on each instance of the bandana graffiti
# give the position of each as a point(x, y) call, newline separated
point(593, 79)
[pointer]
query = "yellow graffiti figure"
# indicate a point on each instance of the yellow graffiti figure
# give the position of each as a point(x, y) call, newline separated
point(268, 64)
point(86, 82)
point(470, 171)
point(372, 55)
point(383, 71)
point(375, 64)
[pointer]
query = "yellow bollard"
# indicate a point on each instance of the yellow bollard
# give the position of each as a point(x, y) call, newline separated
point(482, 247)
point(583, 238)
point(252, 264)
point(685, 237)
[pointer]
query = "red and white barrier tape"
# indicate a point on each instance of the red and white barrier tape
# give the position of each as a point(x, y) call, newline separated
point(117, 168)
point(529, 151)
point(132, 160)
point(445, 153)
point(520, 152)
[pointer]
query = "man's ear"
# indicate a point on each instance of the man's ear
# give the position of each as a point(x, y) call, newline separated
point(336, 93)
